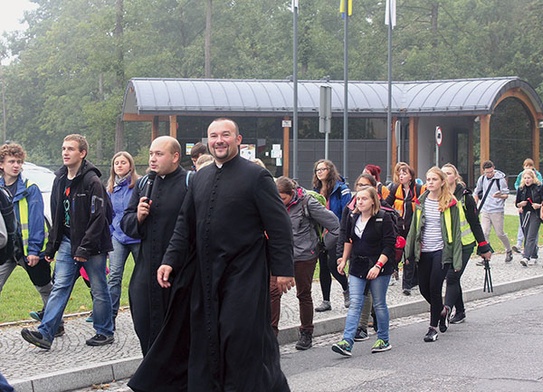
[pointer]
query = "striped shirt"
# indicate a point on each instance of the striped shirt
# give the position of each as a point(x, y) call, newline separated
point(432, 239)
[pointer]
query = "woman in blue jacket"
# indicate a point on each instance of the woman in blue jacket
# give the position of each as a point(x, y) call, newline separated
point(328, 182)
point(121, 182)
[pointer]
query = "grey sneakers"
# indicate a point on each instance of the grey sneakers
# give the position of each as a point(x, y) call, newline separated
point(324, 306)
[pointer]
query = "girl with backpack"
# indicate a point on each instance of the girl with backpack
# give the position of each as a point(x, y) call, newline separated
point(328, 182)
point(305, 212)
point(402, 197)
point(368, 248)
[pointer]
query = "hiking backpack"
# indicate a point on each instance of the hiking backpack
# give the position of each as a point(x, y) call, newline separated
point(305, 210)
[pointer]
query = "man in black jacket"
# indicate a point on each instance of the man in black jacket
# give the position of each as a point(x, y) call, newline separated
point(81, 212)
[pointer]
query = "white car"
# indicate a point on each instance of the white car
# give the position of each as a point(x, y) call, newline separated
point(43, 177)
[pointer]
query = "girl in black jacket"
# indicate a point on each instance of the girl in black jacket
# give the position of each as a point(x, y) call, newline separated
point(528, 202)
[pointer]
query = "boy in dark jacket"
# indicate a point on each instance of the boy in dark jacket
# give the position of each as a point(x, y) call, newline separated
point(81, 213)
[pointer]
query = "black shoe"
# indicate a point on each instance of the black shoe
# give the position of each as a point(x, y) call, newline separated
point(60, 331)
point(100, 340)
point(361, 335)
point(458, 318)
point(37, 315)
point(35, 338)
point(508, 256)
point(431, 335)
point(305, 341)
point(445, 319)
point(406, 291)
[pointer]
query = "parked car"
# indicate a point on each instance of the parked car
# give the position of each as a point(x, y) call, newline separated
point(43, 177)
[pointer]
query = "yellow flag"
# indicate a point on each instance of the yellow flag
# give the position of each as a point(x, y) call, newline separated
point(349, 7)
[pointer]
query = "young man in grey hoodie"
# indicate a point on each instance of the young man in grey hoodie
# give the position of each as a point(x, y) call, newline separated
point(490, 194)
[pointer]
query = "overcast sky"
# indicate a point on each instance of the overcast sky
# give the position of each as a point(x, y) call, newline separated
point(12, 13)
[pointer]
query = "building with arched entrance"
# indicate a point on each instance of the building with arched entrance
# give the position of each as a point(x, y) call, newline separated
point(479, 119)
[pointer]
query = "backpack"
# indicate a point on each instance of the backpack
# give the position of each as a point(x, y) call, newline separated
point(307, 214)
point(6, 209)
point(400, 240)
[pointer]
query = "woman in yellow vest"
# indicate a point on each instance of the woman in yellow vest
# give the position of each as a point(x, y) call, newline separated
point(434, 241)
point(472, 235)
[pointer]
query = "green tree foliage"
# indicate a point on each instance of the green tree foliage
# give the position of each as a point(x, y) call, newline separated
point(72, 64)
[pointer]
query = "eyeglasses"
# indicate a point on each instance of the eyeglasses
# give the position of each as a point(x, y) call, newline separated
point(320, 170)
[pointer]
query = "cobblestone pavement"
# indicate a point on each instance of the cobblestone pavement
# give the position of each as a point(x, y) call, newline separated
point(20, 361)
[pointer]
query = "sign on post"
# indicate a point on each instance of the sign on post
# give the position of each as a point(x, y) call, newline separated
point(439, 141)
point(439, 136)
point(325, 110)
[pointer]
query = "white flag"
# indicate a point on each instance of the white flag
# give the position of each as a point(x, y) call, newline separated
point(390, 13)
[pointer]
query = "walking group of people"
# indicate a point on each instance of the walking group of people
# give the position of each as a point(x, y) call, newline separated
point(216, 248)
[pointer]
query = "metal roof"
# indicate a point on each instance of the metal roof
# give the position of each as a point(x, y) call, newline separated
point(201, 97)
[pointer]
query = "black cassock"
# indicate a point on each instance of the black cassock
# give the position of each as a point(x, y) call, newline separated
point(148, 301)
point(242, 232)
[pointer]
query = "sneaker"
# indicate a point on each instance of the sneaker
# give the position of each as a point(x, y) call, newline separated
point(361, 335)
point(431, 335)
point(35, 338)
point(459, 317)
point(516, 249)
point(343, 348)
point(37, 315)
point(533, 261)
point(305, 341)
point(89, 319)
point(100, 340)
point(445, 319)
point(524, 262)
point(508, 256)
point(60, 331)
point(381, 345)
point(324, 306)
point(406, 292)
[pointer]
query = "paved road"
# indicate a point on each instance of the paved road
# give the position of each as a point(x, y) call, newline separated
point(499, 348)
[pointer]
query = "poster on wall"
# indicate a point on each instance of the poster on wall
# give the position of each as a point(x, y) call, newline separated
point(248, 151)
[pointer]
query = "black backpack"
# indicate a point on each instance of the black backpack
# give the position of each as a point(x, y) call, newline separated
point(398, 225)
point(6, 209)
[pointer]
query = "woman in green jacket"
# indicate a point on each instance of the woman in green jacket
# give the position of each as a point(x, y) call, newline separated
point(434, 240)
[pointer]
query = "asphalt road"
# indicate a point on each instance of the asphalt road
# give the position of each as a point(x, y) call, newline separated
point(499, 348)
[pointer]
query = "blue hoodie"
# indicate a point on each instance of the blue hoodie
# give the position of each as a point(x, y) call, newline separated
point(339, 198)
point(119, 199)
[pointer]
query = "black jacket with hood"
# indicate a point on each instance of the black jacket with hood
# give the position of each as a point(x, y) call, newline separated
point(90, 213)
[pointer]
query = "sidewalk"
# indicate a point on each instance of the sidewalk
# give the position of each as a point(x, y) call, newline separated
point(70, 364)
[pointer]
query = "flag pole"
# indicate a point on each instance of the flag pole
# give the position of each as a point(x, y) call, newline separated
point(389, 108)
point(346, 94)
point(295, 92)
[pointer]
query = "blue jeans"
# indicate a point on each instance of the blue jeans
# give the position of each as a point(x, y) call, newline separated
point(117, 261)
point(65, 275)
point(4, 385)
point(378, 289)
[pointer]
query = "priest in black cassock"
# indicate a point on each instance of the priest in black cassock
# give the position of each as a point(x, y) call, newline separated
point(242, 234)
point(153, 221)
